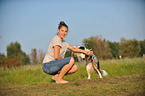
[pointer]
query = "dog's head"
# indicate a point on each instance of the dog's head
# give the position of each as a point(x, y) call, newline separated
point(81, 56)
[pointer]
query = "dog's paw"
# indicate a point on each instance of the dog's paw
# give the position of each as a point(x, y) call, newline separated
point(89, 78)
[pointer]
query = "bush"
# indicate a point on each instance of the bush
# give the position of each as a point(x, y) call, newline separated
point(11, 62)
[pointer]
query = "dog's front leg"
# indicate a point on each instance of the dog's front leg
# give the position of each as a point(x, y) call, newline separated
point(89, 74)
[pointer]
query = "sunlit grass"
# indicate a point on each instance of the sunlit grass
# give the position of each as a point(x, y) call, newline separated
point(118, 71)
point(33, 74)
point(124, 67)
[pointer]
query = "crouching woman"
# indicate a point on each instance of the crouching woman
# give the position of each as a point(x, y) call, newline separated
point(54, 62)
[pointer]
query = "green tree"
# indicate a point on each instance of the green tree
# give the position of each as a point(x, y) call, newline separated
point(129, 48)
point(14, 51)
point(68, 53)
point(88, 43)
point(41, 56)
point(114, 49)
point(99, 46)
point(2, 59)
point(142, 46)
point(34, 56)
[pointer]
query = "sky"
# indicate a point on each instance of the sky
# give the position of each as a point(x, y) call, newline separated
point(33, 23)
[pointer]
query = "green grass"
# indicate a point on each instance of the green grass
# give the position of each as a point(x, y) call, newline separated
point(126, 77)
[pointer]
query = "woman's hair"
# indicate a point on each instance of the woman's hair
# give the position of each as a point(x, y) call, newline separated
point(62, 24)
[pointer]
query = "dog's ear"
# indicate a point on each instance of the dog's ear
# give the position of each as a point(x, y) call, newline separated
point(82, 47)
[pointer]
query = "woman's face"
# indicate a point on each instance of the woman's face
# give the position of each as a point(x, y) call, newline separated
point(62, 32)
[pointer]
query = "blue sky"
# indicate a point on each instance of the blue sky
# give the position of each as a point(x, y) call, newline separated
point(33, 23)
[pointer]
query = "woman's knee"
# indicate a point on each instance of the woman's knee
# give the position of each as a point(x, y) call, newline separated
point(72, 60)
point(73, 69)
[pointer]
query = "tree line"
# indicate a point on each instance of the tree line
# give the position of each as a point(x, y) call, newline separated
point(102, 48)
point(16, 57)
point(105, 49)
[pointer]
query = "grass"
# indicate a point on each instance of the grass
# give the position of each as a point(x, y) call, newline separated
point(126, 77)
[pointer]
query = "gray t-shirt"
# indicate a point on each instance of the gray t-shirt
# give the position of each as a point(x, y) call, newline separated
point(50, 53)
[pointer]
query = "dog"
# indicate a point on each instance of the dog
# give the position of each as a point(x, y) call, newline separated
point(92, 62)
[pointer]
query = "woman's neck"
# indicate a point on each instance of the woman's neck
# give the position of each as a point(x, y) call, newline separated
point(60, 37)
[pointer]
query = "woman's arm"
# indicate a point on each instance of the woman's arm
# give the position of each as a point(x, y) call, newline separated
point(80, 50)
point(56, 52)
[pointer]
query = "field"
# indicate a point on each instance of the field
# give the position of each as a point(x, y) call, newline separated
point(126, 77)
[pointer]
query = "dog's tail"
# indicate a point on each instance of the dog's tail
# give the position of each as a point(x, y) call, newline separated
point(103, 72)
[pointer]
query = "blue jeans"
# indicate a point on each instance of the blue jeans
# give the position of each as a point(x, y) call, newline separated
point(53, 67)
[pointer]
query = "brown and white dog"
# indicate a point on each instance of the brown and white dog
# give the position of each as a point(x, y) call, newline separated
point(92, 63)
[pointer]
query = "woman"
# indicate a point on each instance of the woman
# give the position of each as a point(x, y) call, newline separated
point(54, 62)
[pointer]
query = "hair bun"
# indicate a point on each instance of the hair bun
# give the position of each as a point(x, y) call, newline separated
point(61, 23)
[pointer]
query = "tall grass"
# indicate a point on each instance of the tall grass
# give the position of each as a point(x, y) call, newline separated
point(33, 74)
point(26, 75)
point(125, 67)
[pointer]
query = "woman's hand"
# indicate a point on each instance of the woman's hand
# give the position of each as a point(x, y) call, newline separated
point(89, 52)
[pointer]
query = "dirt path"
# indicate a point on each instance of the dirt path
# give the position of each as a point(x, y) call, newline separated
point(130, 85)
